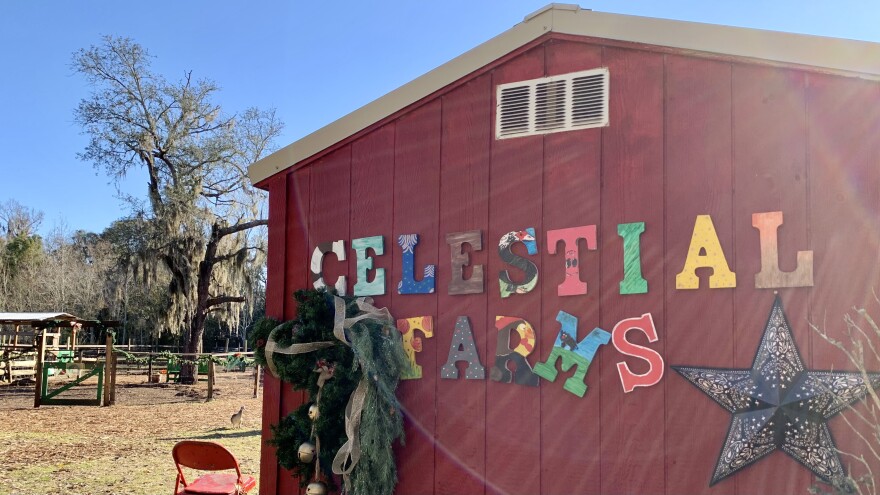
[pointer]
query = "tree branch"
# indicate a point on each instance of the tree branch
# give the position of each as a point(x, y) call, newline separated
point(225, 257)
point(242, 226)
point(214, 301)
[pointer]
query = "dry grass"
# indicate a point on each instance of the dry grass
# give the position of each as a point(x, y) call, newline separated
point(124, 449)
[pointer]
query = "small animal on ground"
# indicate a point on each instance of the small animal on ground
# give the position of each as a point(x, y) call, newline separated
point(236, 418)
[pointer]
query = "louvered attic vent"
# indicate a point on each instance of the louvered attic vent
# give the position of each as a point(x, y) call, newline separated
point(552, 104)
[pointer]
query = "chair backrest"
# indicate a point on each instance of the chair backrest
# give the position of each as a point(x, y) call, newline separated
point(204, 456)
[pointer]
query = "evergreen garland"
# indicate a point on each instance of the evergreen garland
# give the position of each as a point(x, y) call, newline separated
point(258, 336)
point(171, 358)
point(376, 349)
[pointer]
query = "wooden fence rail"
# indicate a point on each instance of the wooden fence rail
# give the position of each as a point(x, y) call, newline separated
point(106, 360)
point(106, 357)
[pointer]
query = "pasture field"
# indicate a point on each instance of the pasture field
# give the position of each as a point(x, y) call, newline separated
point(126, 448)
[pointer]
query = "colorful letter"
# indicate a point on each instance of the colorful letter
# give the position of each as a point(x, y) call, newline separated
point(460, 259)
point(633, 282)
point(463, 349)
point(523, 374)
point(413, 344)
point(317, 265)
point(572, 285)
point(507, 286)
point(705, 240)
point(408, 284)
point(578, 354)
point(770, 275)
point(364, 263)
point(628, 379)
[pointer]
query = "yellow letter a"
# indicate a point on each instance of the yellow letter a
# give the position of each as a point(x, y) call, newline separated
point(705, 240)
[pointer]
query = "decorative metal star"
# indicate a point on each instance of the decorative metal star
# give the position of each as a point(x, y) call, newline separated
point(779, 404)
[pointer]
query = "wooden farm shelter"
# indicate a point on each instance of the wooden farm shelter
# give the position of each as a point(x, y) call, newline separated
point(11, 326)
point(662, 181)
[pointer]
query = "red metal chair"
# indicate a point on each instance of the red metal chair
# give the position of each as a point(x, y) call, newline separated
point(209, 456)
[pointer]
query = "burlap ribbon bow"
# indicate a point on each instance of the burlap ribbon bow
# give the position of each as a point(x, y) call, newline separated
point(350, 452)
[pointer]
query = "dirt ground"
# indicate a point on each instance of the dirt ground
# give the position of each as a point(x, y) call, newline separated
point(126, 448)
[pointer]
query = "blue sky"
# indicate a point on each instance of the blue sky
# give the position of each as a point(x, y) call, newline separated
point(313, 61)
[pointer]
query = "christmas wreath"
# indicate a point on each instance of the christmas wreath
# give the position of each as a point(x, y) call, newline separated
point(349, 357)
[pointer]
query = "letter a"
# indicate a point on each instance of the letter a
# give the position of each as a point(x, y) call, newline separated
point(463, 348)
point(705, 240)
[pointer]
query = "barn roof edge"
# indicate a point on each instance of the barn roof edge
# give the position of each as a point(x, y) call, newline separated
point(828, 54)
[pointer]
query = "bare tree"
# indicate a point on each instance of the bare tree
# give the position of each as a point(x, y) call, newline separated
point(200, 207)
point(861, 346)
point(17, 220)
point(65, 273)
point(21, 254)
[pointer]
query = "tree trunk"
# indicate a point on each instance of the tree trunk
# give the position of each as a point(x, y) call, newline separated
point(193, 345)
point(204, 301)
point(197, 324)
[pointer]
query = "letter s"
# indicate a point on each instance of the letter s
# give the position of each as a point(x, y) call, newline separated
point(628, 379)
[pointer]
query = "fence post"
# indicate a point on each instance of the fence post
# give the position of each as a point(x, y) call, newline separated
point(210, 379)
point(195, 368)
point(115, 361)
point(256, 380)
point(150, 368)
point(38, 372)
point(108, 366)
point(8, 357)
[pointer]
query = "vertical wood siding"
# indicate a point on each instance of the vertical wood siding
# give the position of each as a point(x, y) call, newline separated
point(632, 192)
point(699, 326)
point(416, 196)
point(275, 267)
point(296, 276)
point(570, 426)
point(769, 170)
point(460, 431)
point(513, 413)
point(844, 190)
point(688, 136)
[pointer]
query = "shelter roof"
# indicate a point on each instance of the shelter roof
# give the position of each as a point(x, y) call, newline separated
point(28, 318)
point(848, 57)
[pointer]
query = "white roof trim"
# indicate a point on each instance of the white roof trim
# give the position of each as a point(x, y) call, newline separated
point(831, 54)
point(26, 317)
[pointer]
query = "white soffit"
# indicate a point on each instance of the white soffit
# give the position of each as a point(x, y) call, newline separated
point(858, 58)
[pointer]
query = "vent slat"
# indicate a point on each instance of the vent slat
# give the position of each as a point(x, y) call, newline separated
point(553, 104)
point(550, 105)
point(514, 110)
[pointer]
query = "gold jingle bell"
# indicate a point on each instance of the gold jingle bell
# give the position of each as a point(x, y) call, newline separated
point(306, 452)
point(316, 488)
point(313, 412)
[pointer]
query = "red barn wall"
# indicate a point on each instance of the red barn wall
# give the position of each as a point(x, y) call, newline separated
point(689, 135)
